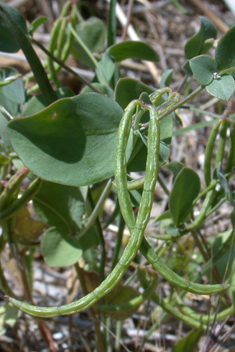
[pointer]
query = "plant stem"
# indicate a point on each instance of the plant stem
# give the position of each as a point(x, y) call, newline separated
point(98, 333)
point(32, 58)
point(19, 202)
point(227, 70)
point(121, 226)
point(180, 103)
point(177, 105)
point(98, 208)
point(89, 53)
point(101, 239)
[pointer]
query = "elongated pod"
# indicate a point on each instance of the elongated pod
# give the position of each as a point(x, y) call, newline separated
point(175, 279)
point(209, 152)
point(231, 154)
point(138, 228)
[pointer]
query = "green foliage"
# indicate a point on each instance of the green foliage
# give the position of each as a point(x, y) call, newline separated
point(197, 44)
point(133, 49)
point(203, 68)
point(217, 74)
point(8, 42)
point(190, 342)
point(225, 52)
point(68, 153)
point(12, 94)
point(60, 249)
point(71, 141)
point(185, 189)
point(222, 88)
point(8, 317)
point(92, 32)
point(128, 89)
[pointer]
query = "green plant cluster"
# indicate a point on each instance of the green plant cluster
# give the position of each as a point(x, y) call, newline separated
point(72, 151)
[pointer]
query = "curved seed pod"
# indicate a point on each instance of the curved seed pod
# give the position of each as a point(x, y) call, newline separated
point(231, 154)
point(56, 32)
point(137, 229)
point(152, 257)
point(134, 303)
point(185, 318)
point(222, 143)
point(209, 152)
point(175, 279)
point(61, 38)
point(156, 96)
point(133, 184)
point(207, 318)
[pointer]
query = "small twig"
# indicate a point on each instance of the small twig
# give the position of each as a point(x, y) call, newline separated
point(211, 15)
point(129, 12)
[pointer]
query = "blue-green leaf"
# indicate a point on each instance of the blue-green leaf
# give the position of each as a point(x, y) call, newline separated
point(72, 141)
point(185, 189)
point(8, 42)
point(222, 88)
point(133, 49)
point(189, 342)
point(128, 89)
point(195, 45)
point(203, 68)
point(60, 249)
point(225, 52)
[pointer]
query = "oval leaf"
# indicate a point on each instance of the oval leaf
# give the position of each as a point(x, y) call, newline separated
point(72, 142)
point(59, 205)
point(203, 68)
point(8, 44)
point(222, 88)
point(59, 249)
point(38, 102)
point(185, 189)
point(133, 50)
point(225, 52)
point(11, 95)
point(195, 45)
point(92, 32)
point(128, 89)
point(166, 78)
point(189, 343)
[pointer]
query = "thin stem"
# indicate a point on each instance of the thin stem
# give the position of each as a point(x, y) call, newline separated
point(178, 105)
point(101, 239)
point(129, 11)
point(227, 70)
point(98, 208)
point(89, 53)
point(121, 226)
point(119, 336)
point(205, 112)
point(162, 184)
point(112, 23)
point(19, 202)
point(98, 334)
